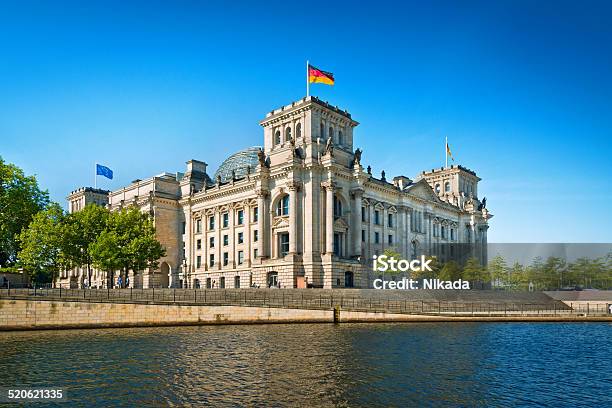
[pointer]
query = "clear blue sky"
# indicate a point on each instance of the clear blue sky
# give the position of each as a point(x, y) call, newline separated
point(522, 90)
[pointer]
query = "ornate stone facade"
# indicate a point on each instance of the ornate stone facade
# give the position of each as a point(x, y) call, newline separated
point(300, 212)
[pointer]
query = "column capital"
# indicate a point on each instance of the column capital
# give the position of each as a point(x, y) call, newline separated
point(328, 185)
point(261, 193)
point(357, 192)
point(294, 185)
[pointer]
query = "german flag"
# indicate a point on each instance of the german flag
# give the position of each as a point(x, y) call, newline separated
point(317, 76)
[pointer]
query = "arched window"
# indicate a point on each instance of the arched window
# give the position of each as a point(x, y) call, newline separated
point(287, 133)
point(340, 138)
point(277, 137)
point(331, 132)
point(437, 188)
point(447, 187)
point(337, 207)
point(298, 130)
point(282, 208)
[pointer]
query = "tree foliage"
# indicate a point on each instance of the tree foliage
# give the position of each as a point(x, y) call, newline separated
point(43, 248)
point(127, 243)
point(20, 200)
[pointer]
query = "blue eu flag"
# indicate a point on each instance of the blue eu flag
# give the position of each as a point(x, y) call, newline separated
point(104, 171)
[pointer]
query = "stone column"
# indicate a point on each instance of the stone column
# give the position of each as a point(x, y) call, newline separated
point(329, 218)
point(293, 208)
point(261, 223)
point(218, 242)
point(357, 194)
point(247, 234)
point(232, 236)
point(400, 228)
point(383, 233)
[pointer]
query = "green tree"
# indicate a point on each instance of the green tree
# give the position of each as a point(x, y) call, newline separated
point(82, 229)
point(435, 270)
point(128, 243)
point(392, 253)
point(20, 200)
point(498, 271)
point(450, 271)
point(42, 246)
point(517, 277)
point(474, 272)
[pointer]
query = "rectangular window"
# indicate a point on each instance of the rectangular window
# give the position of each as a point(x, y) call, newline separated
point(240, 217)
point(198, 226)
point(452, 234)
point(225, 220)
point(199, 244)
point(376, 217)
point(390, 220)
point(443, 232)
point(183, 249)
point(283, 240)
point(337, 244)
point(255, 236)
point(363, 214)
point(211, 223)
point(240, 257)
point(255, 252)
point(363, 236)
point(237, 282)
point(225, 240)
point(390, 239)
point(198, 261)
point(255, 214)
point(222, 282)
point(240, 238)
point(211, 242)
point(208, 283)
point(183, 224)
point(211, 260)
point(225, 258)
point(376, 238)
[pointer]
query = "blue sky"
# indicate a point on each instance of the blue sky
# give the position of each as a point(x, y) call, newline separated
point(522, 90)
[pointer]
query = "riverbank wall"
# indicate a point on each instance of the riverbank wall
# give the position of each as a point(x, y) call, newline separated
point(48, 314)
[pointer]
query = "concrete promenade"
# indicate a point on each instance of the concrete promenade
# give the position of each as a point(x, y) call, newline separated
point(25, 310)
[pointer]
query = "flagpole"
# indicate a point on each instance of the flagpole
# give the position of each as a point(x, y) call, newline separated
point(446, 152)
point(95, 176)
point(307, 80)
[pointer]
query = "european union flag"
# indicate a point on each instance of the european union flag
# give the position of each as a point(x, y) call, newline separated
point(104, 171)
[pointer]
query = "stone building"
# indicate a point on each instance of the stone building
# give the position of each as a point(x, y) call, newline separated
point(300, 212)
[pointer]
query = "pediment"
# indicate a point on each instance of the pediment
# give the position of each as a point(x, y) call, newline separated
point(422, 190)
point(280, 222)
point(340, 223)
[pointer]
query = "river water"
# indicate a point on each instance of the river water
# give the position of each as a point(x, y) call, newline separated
point(368, 365)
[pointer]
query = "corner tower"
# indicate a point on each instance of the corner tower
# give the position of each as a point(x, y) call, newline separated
point(308, 125)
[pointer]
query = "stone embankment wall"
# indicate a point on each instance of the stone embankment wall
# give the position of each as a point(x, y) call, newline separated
point(36, 314)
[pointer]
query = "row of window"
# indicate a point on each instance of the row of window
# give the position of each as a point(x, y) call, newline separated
point(224, 220)
point(210, 283)
point(447, 187)
point(278, 138)
point(225, 255)
point(339, 140)
point(376, 237)
point(239, 239)
point(444, 232)
point(364, 217)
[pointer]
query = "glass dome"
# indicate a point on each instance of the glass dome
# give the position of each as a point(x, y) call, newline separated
point(239, 163)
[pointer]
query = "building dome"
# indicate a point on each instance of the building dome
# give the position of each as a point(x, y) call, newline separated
point(238, 162)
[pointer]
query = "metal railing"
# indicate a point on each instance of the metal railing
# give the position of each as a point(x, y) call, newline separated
point(303, 299)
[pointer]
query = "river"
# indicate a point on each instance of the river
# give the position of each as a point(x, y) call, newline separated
point(428, 364)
